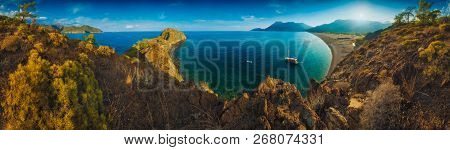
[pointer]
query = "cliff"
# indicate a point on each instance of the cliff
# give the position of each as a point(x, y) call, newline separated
point(158, 51)
point(80, 29)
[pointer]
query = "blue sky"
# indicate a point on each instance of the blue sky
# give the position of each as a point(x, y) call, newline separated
point(210, 15)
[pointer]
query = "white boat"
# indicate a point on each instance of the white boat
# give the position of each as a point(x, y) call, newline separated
point(291, 60)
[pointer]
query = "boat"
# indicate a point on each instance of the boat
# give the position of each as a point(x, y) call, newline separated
point(291, 60)
point(250, 62)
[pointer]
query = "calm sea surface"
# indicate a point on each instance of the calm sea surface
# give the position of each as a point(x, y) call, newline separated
point(234, 61)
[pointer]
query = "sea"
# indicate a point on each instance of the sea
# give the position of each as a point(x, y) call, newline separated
point(231, 62)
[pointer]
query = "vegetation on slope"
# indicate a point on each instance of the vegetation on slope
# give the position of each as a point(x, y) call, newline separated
point(80, 29)
point(397, 79)
point(45, 83)
point(158, 51)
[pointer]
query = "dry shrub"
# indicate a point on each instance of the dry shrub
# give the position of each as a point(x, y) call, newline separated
point(409, 44)
point(57, 39)
point(386, 109)
point(10, 43)
point(104, 51)
point(437, 57)
point(382, 110)
point(444, 27)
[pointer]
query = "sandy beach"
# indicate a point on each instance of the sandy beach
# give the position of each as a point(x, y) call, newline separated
point(340, 44)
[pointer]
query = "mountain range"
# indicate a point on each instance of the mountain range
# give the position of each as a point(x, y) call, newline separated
point(288, 26)
point(338, 26)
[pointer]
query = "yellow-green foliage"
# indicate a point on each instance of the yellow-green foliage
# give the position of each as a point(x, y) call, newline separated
point(435, 49)
point(45, 96)
point(409, 44)
point(10, 43)
point(104, 50)
point(84, 59)
point(57, 39)
point(90, 39)
point(22, 29)
point(444, 27)
point(31, 38)
point(437, 56)
point(39, 47)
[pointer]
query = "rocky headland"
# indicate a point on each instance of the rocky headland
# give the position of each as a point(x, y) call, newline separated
point(80, 29)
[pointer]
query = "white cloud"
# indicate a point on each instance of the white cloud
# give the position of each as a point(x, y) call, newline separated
point(8, 13)
point(162, 16)
point(2, 6)
point(42, 18)
point(278, 11)
point(251, 18)
point(200, 20)
point(75, 10)
point(129, 26)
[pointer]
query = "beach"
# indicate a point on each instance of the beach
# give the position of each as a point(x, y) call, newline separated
point(340, 44)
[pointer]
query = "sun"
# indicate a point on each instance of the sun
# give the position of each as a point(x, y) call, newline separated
point(361, 16)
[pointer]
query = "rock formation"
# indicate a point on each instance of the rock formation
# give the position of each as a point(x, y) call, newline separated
point(158, 51)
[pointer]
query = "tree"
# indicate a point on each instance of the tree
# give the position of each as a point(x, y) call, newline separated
point(398, 20)
point(409, 14)
point(25, 9)
point(424, 14)
point(42, 95)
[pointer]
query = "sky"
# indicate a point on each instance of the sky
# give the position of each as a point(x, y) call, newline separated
point(209, 15)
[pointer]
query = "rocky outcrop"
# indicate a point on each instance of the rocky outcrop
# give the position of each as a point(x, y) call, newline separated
point(158, 51)
point(273, 105)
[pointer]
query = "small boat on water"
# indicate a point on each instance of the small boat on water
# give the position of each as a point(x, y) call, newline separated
point(291, 60)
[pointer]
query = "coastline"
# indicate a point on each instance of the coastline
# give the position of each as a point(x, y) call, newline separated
point(340, 45)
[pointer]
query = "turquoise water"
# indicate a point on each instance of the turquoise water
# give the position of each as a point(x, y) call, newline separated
point(234, 61)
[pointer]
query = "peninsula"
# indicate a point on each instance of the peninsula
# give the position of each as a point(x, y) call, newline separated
point(80, 29)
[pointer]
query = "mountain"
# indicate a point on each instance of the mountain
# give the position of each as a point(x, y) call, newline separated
point(288, 26)
point(80, 29)
point(350, 26)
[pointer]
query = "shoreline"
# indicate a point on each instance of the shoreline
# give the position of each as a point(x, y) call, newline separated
point(340, 45)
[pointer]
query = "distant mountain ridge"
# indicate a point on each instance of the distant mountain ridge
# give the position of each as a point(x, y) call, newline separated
point(338, 26)
point(350, 26)
point(285, 26)
point(80, 29)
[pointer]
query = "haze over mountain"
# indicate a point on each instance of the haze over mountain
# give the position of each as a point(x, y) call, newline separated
point(288, 26)
point(338, 26)
point(350, 26)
